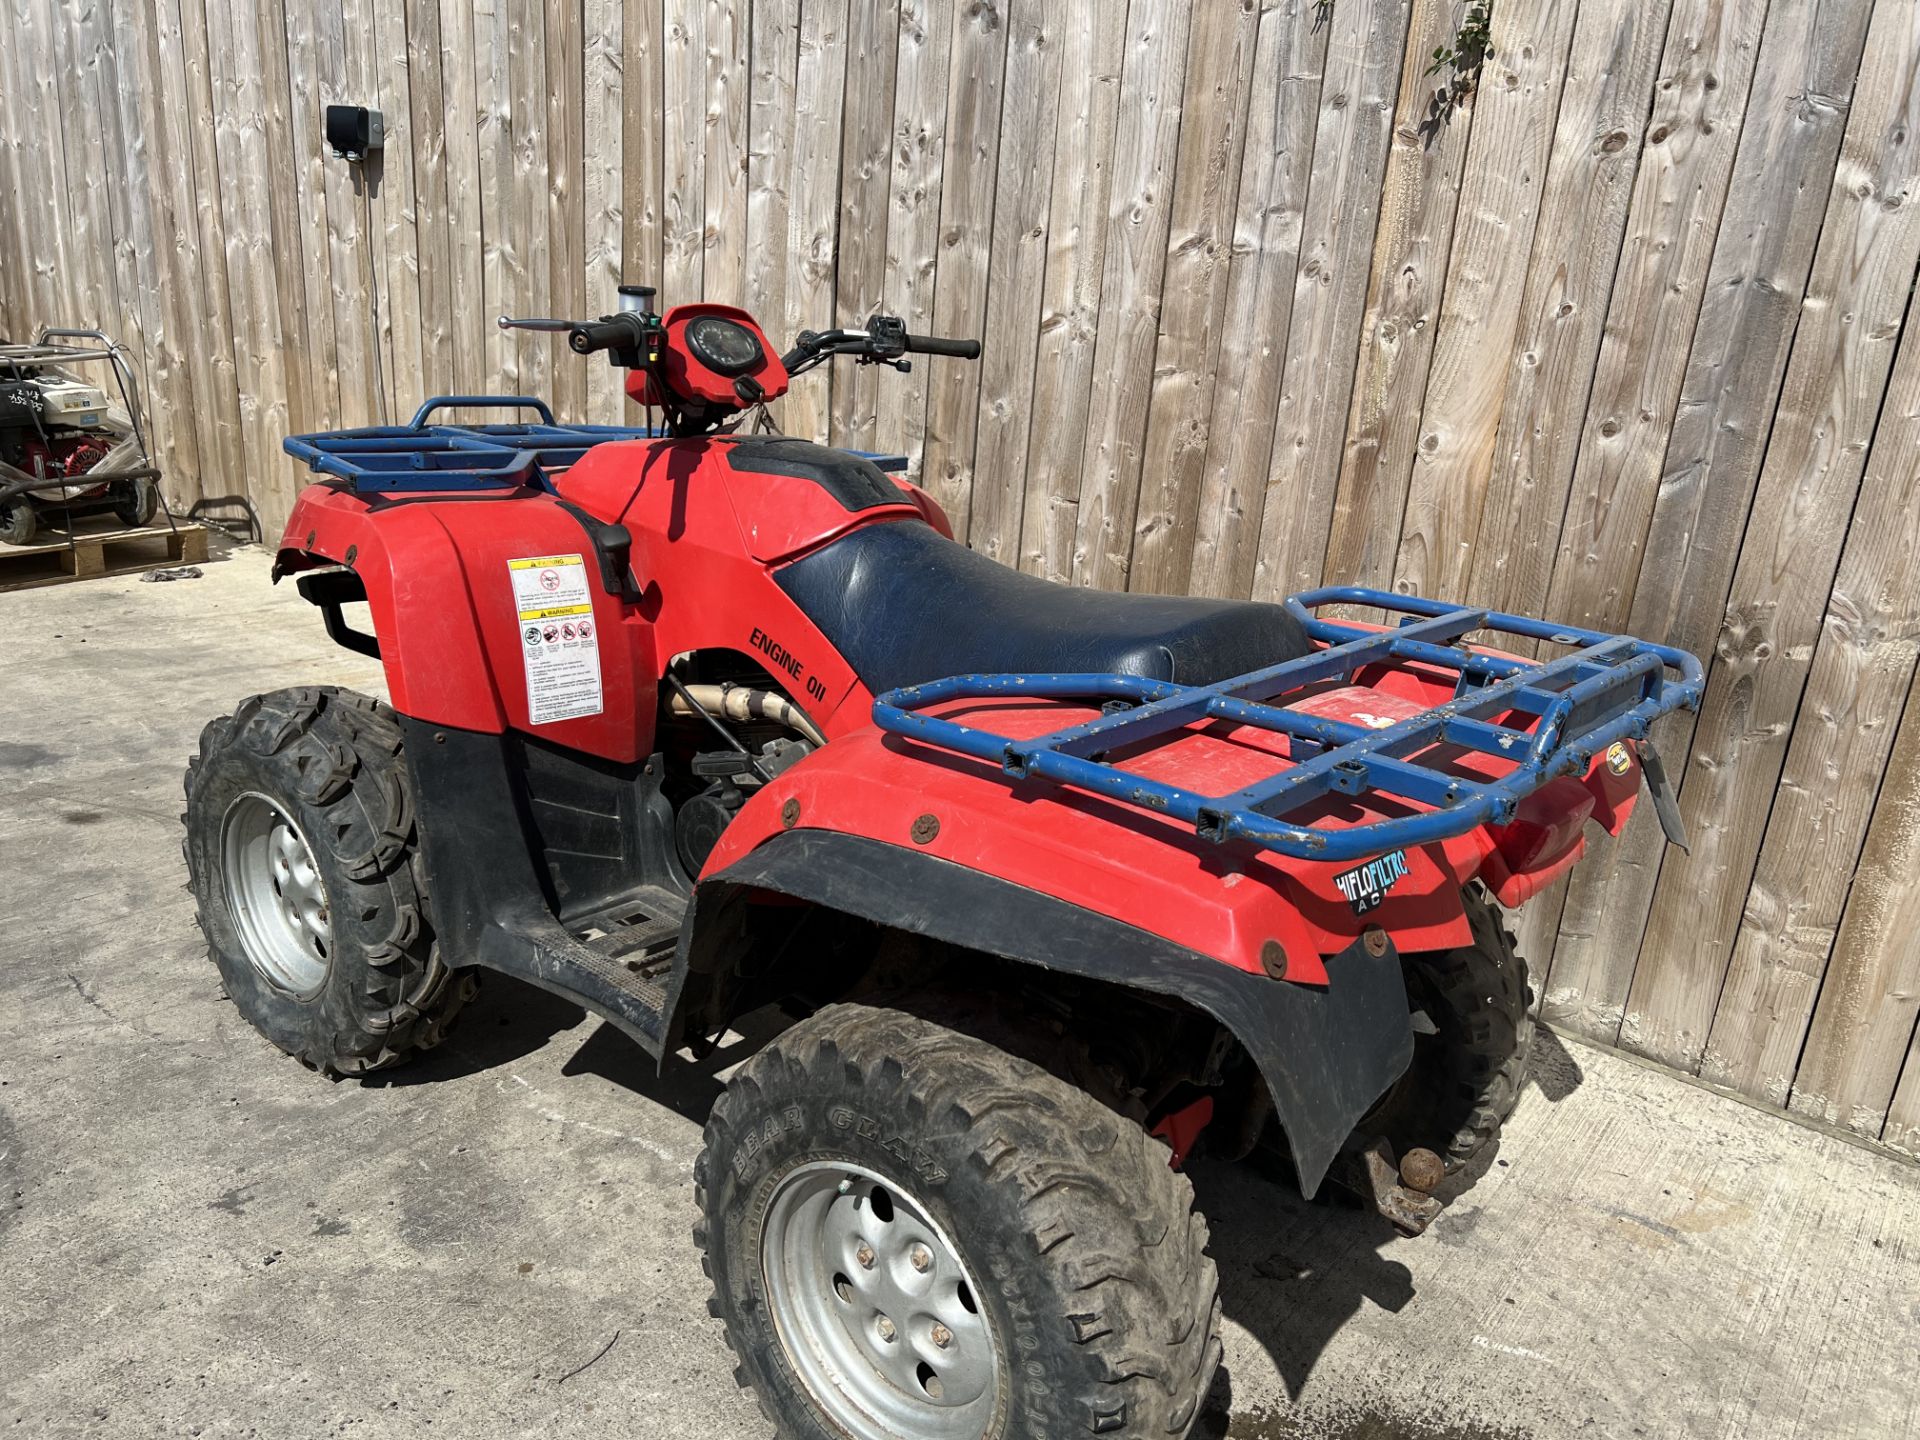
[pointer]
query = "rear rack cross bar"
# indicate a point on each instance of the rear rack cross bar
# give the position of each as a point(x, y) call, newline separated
point(1608, 688)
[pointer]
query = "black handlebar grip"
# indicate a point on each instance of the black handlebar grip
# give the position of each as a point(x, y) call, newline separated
point(591, 335)
point(934, 345)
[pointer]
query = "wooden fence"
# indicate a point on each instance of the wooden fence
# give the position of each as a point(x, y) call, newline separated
point(1619, 337)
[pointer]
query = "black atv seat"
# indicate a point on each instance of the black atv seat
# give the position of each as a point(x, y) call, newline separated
point(906, 605)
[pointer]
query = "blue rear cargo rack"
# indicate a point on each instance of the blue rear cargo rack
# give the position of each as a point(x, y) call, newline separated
point(1606, 688)
point(382, 459)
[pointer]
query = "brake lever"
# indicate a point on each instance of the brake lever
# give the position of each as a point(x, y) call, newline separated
point(508, 322)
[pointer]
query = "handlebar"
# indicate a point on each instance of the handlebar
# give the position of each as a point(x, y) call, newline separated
point(883, 342)
point(935, 345)
point(612, 333)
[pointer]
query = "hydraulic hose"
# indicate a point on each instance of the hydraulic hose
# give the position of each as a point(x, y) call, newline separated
point(741, 702)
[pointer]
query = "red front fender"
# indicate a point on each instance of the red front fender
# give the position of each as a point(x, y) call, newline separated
point(443, 608)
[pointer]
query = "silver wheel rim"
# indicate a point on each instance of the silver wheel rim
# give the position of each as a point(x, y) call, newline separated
point(275, 895)
point(875, 1309)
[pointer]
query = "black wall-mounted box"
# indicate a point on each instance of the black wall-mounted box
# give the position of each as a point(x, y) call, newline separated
point(353, 131)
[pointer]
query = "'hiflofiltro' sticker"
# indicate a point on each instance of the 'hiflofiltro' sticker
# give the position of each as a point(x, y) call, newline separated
point(1365, 886)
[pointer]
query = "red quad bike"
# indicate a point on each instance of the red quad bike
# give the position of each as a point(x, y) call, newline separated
point(1055, 884)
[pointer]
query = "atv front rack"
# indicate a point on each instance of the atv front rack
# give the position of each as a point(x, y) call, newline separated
point(1607, 688)
point(420, 455)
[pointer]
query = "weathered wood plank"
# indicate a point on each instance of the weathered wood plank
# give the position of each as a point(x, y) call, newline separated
point(1863, 663)
point(129, 160)
point(1508, 153)
point(16, 294)
point(920, 95)
point(1018, 266)
point(1411, 247)
point(500, 262)
point(288, 255)
point(684, 154)
point(80, 166)
point(1139, 206)
point(1092, 39)
point(1790, 138)
point(1214, 117)
point(1330, 292)
point(427, 99)
point(130, 320)
point(1604, 105)
point(396, 211)
point(16, 298)
point(188, 90)
point(1276, 167)
point(1678, 192)
point(775, 57)
point(43, 192)
point(166, 260)
point(1843, 350)
point(970, 169)
point(362, 72)
point(813, 210)
point(642, 155)
point(259, 344)
point(604, 134)
point(532, 279)
point(180, 364)
point(563, 44)
point(724, 273)
point(27, 203)
point(309, 157)
point(866, 174)
point(466, 239)
point(1902, 1129)
point(352, 242)
point(1870, 996)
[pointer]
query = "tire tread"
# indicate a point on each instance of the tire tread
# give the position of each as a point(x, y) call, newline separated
point(1123, 1239)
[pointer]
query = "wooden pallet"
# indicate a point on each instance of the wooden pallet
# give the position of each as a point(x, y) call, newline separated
point(94, 553)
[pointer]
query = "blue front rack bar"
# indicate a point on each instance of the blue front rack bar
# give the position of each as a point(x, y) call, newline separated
point(1606, 688)
point(422, 455)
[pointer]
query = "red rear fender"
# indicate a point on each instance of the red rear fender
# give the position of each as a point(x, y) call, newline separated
point(1244, 907)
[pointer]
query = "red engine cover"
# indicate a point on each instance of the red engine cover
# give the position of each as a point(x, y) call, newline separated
point(66, 455)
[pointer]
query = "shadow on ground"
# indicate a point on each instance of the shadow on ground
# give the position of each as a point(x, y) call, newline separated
point(509, 1020)
point(1293, 1271)
point(505, 1022)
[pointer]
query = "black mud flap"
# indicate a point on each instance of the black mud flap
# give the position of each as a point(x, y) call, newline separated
point(479, 841)
point(1327, 1055)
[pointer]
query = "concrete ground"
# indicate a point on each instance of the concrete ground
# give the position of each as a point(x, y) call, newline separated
point(198, 1237)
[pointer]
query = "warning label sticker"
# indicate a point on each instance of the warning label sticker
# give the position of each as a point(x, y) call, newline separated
point(558, 638)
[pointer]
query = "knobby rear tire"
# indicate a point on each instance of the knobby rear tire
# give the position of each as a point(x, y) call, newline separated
point(1464, 1080)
